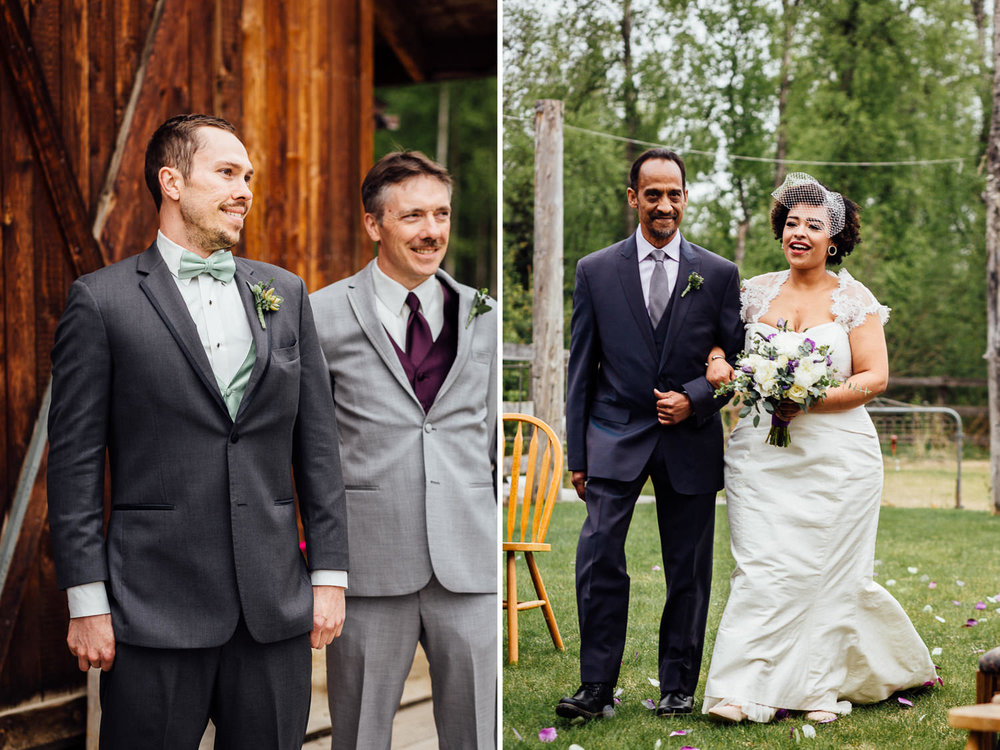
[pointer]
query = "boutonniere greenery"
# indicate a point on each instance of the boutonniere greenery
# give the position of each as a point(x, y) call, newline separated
point(480, 305)
point(264, 299)
point(695, 280)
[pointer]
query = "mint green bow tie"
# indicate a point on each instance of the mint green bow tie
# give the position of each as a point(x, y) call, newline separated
point(220, 265)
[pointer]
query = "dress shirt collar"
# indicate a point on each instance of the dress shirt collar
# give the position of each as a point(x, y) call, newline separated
point(171, 253)
point(644, 247)
point(393, 295)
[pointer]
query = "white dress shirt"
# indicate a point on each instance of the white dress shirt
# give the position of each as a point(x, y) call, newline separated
point(394, 313)
point(646, 263)
point(218, 313)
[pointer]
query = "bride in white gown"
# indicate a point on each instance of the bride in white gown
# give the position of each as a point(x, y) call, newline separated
point(806, 628)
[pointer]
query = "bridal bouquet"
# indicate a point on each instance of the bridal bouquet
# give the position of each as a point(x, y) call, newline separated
point(782, 366)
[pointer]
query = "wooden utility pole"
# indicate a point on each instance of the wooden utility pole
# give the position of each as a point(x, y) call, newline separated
point(547, 374)
point(993, 267)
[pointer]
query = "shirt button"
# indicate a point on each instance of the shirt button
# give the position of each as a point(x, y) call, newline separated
point(217, 346)
point(428, 428)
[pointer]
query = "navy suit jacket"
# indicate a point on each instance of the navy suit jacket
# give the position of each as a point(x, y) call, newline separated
point(614, 366)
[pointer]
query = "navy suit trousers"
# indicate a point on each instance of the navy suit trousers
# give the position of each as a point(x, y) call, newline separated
point(686, 526)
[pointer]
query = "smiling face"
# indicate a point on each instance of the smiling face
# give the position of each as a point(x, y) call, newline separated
point(205, 210)
point(660, 199)
point(413, 229)
point(805, 238)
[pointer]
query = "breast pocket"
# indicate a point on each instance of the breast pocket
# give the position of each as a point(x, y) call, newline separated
point(285, 354)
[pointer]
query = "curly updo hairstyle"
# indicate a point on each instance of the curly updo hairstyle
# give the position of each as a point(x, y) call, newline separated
point(845, 240)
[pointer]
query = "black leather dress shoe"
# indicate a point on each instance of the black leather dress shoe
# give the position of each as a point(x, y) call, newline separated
point(674, 703)
point(592, 701)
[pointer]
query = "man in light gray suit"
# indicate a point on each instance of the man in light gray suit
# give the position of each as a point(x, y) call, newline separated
point(201, 378)
point(412, 358)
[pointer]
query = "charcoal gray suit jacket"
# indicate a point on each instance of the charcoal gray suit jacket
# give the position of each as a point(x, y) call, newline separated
point(203, 512)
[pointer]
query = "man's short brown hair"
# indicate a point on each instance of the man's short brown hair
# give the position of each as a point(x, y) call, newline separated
point(174, 144)
point(392, 169)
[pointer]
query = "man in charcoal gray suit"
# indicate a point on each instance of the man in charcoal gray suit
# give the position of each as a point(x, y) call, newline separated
point(201, 377)
point(412, 359)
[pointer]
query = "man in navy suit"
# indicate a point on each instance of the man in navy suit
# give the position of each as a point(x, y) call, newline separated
point(646, 314)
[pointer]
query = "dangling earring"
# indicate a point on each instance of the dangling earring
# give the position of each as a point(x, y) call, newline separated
point(832, 250)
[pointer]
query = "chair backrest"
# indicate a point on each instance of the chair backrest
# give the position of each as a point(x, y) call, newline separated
point(533, 496)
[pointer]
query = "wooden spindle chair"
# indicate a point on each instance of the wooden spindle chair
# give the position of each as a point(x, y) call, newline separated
point(529, 509)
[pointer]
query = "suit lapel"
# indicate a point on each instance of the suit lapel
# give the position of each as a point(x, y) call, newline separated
point(158, 284)
point(244, 277)
point(465, 335)
point(628, 274)
point(689, 263)
point(361, 296)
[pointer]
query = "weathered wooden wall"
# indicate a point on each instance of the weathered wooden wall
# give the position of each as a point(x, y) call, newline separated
point(295, 78)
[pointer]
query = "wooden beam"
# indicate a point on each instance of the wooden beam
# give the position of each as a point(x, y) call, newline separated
point(106, 201)
point(393, 25)
point(39, 115)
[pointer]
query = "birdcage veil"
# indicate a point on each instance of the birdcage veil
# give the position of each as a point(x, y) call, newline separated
point(799, 188)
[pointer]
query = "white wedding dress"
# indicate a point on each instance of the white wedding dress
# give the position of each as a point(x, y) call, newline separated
point(806, 627)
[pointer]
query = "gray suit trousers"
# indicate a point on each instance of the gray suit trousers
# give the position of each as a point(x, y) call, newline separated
point(458, 633)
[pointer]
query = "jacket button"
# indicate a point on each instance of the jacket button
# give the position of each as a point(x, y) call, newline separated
point(235, 437)
point(428, 428)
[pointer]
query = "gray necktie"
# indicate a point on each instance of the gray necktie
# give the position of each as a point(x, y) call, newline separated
point(659, 288)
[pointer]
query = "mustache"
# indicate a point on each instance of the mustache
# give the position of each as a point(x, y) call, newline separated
point(659, 215)
point(428, 245)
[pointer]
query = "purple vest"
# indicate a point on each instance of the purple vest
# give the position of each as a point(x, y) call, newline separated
point(427, 377)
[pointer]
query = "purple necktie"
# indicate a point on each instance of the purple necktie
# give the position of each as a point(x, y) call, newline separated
point(418, 333)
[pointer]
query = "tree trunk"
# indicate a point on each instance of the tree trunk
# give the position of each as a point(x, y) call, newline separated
point(979, 16)
point(547, 373)
point(993, 267)
point(789, 14)
point(629, 101)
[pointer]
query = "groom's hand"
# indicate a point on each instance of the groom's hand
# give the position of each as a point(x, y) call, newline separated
point(579, 479)
point(328, 615)
point(92, 641)
point(672, 407)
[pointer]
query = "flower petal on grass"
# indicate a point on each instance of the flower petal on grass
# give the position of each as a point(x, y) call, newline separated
point(656, 567)
point(939, 618)
point(678, 733)
point(905, 701)
point(517, 734)
point(932, 585)
point(648, 703)
point(688, 747)
point(619, 691)
point(891, 582)
point(936, 651)
point(808, 731)
point(658, 744)
point(928, 608)
point(548, 734)
point(781, 713)
point(980, 605)
point(956, 603)
point(970, 623)
point(574, 746)
point(925, 578)
point(653, 682)
point(912, 571)
point(617, 700)
point(959, 583)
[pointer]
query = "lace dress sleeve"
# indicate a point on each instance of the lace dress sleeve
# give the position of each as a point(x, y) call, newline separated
point(853, 303)
point(756, 294)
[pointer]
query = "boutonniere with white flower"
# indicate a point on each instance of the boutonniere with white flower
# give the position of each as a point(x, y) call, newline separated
point(695, 280)
point(264, 299)
point(480, 305)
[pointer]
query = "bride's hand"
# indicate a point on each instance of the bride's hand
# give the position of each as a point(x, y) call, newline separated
point(719, 372)
point(788, 410)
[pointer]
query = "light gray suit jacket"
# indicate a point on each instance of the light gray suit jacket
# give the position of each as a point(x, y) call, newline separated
point(420, 488)
point(203, 523)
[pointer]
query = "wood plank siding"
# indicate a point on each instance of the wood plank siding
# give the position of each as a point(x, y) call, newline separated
point(82, 86)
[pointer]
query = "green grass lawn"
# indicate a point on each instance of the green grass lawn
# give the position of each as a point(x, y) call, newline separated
point(945, 546)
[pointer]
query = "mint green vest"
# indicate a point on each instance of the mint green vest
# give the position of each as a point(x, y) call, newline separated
point(232, 392)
